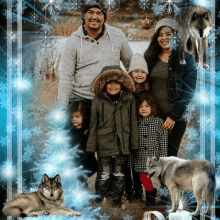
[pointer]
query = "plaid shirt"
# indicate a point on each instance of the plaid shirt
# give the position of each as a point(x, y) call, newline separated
point(152, 139)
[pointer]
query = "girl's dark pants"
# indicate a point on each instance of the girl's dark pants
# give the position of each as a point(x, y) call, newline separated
point(111, 177)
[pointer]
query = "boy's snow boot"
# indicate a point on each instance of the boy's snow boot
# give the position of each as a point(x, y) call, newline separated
point(116, 203)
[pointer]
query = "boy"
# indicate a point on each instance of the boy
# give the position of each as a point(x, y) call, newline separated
point(113, 130)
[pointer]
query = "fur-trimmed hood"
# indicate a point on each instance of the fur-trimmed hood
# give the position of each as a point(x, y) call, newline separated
point(114, 73)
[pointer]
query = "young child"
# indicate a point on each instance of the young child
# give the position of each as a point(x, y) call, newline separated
point(113, 130)
point(138, 71)
point(152, 138)
point(78, 127)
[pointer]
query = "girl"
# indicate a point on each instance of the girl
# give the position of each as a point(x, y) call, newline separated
point(152, 138)
point(113, 130)
point(173, 85)
point(138, 71)
point(78, 128)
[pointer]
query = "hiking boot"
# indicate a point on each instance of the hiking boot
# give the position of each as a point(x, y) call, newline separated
point(116, 203)
point(129, 196)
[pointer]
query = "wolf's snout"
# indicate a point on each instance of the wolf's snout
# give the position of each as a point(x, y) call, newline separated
point(51, 195)
point(145, 172)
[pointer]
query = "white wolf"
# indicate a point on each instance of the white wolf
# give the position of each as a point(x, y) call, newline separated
point(47, 200)
point(178, 174)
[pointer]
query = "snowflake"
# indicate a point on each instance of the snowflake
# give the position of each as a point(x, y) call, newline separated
point(175, 41)
point(3, 141)
point(217, 158)
point(10, 128)
point(189, 147)
point(34, 16)
point(217, 134)
point(90, 2)
point(192, 133)
point(51, 5)
point(72, 4)
point(11, 36)
point(26, 134)
point(199, 156)
point(77, 4)
point(28, 152)
point(211, 36)
point(211, 52)
point(15, 8)
point(217, 31)
point(3, 95)
point(36, 130)
point(168, 5)
point(128, 217)
point(45, 37)
point(157, 9)
point(136, 16)
point(144, 4)
point(110, 4)
point(165, 192)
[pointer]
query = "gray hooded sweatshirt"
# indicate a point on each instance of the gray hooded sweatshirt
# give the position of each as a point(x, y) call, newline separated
point(83, 59)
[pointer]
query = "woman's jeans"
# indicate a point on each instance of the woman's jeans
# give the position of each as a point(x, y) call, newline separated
point(111, 178)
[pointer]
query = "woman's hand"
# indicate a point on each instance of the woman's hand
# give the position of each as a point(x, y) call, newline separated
point(168, 124)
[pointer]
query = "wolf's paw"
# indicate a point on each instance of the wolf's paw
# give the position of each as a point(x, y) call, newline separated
point(46, 213)
point(193, 214)
point(74, 214)
point(205, 66)
point(78, 213)
point(206, 212)
point(182, 62)
point(197, 63)
point(171, 211)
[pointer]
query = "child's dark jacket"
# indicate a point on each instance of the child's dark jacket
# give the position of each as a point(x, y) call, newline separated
point(113, 127)
point(79, 138)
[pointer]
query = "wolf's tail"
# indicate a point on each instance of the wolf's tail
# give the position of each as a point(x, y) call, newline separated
point(209, 191)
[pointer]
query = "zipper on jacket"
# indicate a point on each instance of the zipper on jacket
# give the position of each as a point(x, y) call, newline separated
point(102, 114)
point(128, 110)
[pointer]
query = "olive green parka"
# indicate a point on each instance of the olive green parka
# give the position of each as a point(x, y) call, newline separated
point(113, 127)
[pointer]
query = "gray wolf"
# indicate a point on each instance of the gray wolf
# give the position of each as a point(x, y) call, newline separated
point(178, 174)
point(194, 26)
point(47, 200)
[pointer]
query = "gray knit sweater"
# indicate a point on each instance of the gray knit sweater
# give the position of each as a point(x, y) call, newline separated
point(83, 59)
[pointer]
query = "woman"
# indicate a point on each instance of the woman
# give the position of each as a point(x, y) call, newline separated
point(172, 84)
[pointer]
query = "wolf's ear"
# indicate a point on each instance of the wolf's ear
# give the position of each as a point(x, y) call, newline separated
point(194, 17)
point(45, 178)
point(57, 178)
point(206, 16)
point(157, 156)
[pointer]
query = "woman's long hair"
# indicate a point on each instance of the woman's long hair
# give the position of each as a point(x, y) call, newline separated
point(154, 49)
